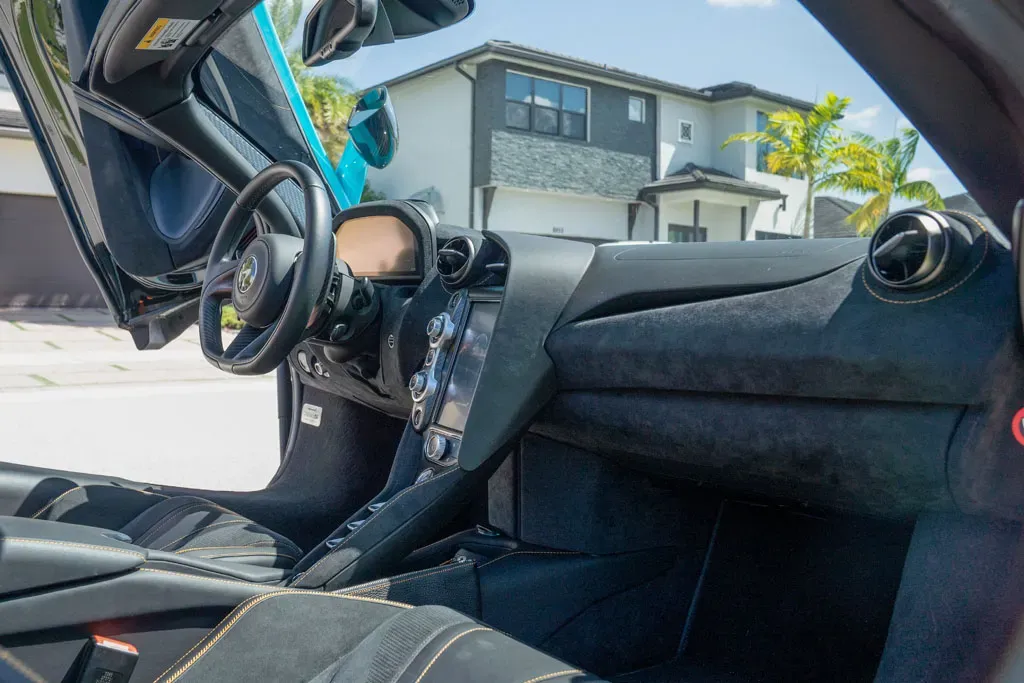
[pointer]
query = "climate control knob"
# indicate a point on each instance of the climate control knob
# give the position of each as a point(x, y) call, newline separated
point(436, 447)
point(418, 382)
point(440, 329)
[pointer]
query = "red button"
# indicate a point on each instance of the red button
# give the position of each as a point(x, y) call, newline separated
point(1018, 432)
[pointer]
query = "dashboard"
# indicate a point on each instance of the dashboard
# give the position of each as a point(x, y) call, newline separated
point(665, 356)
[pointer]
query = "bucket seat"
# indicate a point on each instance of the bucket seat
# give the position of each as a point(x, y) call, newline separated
point(184, 525)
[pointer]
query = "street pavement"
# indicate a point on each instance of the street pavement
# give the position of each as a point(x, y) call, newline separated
point(75, 394)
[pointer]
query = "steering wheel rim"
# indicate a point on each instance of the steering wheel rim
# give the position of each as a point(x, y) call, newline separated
point(280, 279)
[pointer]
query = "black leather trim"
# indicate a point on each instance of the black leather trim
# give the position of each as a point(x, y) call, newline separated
point(36, 554)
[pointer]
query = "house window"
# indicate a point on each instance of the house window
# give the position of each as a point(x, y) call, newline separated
point(685, 131)
point(763, 148)
point(545, 106)
point(637, 109)
point(765, 235)
point(686, 233)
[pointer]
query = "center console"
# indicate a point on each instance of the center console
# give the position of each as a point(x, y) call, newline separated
point(443, 391)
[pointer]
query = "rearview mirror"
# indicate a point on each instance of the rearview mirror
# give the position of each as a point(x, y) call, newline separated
point(336, 29)
point(373, 128)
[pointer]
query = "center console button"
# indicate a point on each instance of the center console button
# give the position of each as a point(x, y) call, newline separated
point(424, 475)
point(352, 526)
point(375, 506)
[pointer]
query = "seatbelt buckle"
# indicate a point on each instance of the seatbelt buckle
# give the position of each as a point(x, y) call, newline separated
point(107, 661)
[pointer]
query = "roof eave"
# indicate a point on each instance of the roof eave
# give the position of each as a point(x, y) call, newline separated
point(759, 192)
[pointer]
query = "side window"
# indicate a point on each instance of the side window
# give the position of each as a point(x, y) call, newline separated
point(544, 106)
point(763, 148)
point(637, 109)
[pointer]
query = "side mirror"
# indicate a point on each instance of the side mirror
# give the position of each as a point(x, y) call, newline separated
point(373, 128)
point(336, 29)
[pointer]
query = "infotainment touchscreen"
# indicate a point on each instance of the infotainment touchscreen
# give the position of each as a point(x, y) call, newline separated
point(469, 361)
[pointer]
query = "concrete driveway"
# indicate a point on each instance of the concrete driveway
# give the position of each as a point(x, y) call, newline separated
point(76, 395)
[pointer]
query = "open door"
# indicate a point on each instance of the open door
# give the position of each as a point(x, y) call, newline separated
point(150, 116)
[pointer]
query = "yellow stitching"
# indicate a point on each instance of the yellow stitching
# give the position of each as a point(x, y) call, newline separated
point(174, 516)
point(984, 255)
point(258, 544)
point(529, 552)
point(196, 532)
point(20, 667)
point(446, 646)
point(216, 556)
point(385, 584)
point(240, 611)
point(548, 677)
point(210, 578)
point(88, 546)
point(54, 502)
point(376, 515)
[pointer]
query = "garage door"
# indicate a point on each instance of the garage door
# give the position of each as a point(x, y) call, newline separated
point(39, 263)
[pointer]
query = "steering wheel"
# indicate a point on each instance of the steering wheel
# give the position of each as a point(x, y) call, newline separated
point(276, 285)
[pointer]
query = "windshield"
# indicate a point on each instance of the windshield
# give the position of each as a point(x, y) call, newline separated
point(714, 120)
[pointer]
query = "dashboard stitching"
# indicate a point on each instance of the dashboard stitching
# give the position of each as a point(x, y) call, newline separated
point(984, 255)
point(375, 515)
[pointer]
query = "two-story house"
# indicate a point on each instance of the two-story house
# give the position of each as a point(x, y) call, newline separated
point(508, 137)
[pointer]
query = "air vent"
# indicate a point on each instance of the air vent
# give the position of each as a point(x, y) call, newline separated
point(910, 249)
point(455, 261)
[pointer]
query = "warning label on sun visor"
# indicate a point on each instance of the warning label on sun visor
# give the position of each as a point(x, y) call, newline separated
point(167, 34)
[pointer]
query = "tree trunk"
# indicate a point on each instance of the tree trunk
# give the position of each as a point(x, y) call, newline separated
point(808, 207)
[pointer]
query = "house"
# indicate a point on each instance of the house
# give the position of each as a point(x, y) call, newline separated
point(509, 137)
point(830, 213)
point(39, 262)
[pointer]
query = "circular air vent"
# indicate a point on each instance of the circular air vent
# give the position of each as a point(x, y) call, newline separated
point(910, 249)
point(455, 261)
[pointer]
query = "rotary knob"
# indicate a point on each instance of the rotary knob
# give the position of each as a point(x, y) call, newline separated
point(435, 327)
point(440, 329)
point(418, 382)
point(436, 447)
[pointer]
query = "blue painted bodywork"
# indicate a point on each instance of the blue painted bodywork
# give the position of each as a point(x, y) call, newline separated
point(347, 180)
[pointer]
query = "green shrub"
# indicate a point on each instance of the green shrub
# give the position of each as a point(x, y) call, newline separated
point(229, 318)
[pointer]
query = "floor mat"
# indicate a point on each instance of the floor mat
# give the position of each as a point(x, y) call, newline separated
point(793, 597)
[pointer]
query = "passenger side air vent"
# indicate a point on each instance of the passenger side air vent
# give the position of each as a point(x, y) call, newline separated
point(455, 261)
point(911, 249)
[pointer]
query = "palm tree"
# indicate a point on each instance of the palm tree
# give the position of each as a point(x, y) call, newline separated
point(328, 99)
point(812, 146)
point(890, 181)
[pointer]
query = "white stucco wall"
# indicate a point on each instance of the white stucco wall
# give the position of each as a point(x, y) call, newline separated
point(770, 215)
point(21, 168)
point(644, 228)
point(542, 212)
point(434, 123)
point(672, 154)
point(731, 118)
point(721, 220)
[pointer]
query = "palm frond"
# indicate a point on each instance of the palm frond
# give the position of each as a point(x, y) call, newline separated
point(870, 214)
point(921, 191)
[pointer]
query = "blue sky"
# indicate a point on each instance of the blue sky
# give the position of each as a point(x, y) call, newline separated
point(774, 44)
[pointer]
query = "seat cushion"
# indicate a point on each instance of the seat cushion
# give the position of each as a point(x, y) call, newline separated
point(184, 525)
point(333, 638)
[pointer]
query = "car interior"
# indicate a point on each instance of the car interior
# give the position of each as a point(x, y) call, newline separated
point(511, 457)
